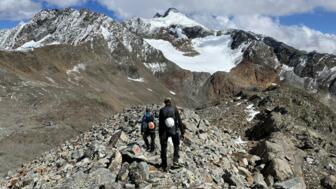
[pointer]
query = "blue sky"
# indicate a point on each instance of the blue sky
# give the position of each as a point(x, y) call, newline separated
point(304, 24)
point(318, 19)
point(324, 21)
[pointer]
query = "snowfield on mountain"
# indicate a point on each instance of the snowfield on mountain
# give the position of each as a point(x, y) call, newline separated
point(214, 55)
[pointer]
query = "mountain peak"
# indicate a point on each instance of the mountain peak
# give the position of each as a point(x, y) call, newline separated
point(56, 26)
point(170, 10)
point(172, 17)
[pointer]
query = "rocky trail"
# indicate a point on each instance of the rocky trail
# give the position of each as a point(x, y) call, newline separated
point(112, 155)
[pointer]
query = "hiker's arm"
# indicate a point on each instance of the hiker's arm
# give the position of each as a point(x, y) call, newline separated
point(180, 124)
point(161, 122)
point(143, 125)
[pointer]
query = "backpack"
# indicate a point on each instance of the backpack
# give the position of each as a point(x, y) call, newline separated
point(170, 121)
point(149, 122)
point(151, 125)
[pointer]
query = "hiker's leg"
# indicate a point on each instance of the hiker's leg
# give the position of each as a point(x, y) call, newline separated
point(163, 141)
point(176, 143)
point(152, 141)
point(145, 138)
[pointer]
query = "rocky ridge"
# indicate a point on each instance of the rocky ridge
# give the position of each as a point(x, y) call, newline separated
point(111, 155)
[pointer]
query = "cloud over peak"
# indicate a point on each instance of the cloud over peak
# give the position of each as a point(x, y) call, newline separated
point(18, 9)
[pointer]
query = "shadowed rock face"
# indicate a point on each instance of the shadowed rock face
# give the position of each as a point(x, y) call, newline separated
point(315, 70)
point(332, 87)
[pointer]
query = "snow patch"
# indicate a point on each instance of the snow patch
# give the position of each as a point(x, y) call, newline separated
point(149, 89)
point(172, 92)
point(239, 141)
point(215, 54)
point(250, 110)
point(179, 32)
point(156, 67)
point(30, 45)
point(106, 34)
point(50, 79)
point(239, 103)
point(285, 70)
point(76, 69)
point(137, 80)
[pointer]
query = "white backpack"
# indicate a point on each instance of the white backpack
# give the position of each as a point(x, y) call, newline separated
point(170, 122)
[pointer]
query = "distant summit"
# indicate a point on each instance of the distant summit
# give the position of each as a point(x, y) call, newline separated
point(171, 10)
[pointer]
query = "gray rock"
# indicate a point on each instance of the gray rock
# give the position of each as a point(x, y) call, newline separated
point(133, 152)
point(253, 160)
point(123, 172)
point(102, 177)
point(232, 179)
point(294, 183)
point(282, 159)
point(329, 182)
point(279, 168)
point(258, 181)
point(146, 186)
point(77, 155)
point(138, 172)
point(130, 186)
point(115, 163)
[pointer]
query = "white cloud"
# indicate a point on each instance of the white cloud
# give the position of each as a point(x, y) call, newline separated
point(301, 37)
point(25, 9)
point(64, 3)
point(18, 9)
point(146, 8)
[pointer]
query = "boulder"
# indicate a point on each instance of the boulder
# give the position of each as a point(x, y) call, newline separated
point(282, 159)
point(77, 155)
point(138, 172)
point(232, 179)
point(279, 168)
point(123, 172)
point(133, 152)
point(115, 163)
point(294, 183)
point(102, 177)
point(258, 181)
point(329, 182)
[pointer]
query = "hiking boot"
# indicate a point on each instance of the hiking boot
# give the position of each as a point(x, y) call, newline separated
point(176, 165)
point(164, 169)
point(147, 148)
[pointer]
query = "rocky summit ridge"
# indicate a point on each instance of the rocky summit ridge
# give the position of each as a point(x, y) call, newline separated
point(112, 155)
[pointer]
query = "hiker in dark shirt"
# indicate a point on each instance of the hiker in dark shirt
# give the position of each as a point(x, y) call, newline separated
point(148, 129)
point(170, 125)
